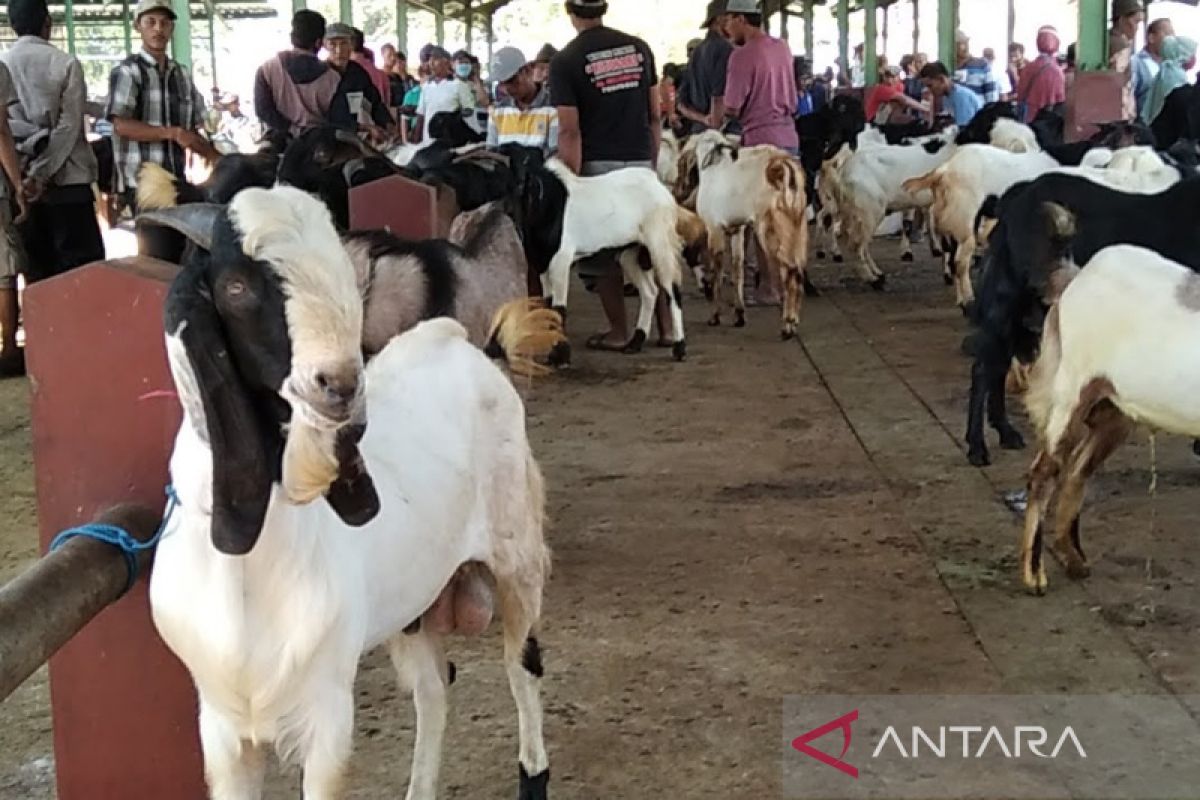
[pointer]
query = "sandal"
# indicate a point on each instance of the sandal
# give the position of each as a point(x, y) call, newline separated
point(600, 341)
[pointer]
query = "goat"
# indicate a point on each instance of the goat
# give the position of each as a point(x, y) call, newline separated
point(1012, 300)
point(874, 182)
point(567, 217)
point(303, 536)
point(1118, 350)
point(328, 162)
point(668, 159)
point(760, 186)
point(980, 129)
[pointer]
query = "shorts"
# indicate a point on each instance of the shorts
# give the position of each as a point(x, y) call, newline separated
point(12, 253)
point(593, 267)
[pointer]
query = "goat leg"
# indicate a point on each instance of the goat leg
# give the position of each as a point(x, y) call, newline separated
point(1010, 437)
point(981, 380)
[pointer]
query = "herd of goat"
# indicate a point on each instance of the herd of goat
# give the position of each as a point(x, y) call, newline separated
point(314, 361)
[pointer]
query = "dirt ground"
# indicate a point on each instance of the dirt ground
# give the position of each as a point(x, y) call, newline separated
point(766, 519)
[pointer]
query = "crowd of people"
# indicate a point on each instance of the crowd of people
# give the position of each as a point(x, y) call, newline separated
point(599, 104)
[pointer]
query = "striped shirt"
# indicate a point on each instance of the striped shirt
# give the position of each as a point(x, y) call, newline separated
point(536, 126)
point(167, 97)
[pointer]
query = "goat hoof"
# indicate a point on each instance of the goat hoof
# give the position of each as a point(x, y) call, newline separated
point(679, 351)
point(979, 457)
point(709, 291)
point(838, 258)
point(947, 279)
point(810, 288)
point(880, 283)
point(739, 319)
point(535, 787)
point(562, 313)
point(787, 335)
point(714, 321)
point(907, 257)
point(634, 345)
point(451, 673)
point(1077, 570)
point(560, 355)
point(1011, 439)
point(820, 255)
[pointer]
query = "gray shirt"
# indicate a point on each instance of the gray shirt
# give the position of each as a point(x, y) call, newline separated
point(49, 105)
point(7, 96)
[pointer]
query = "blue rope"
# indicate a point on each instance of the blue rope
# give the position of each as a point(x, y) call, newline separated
point(120, 538)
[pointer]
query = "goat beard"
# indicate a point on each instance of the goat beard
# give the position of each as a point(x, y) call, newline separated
point(310, 462)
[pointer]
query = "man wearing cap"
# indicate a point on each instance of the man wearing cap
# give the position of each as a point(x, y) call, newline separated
point(442, 93)
point(609, 117)
point(61, 232)
point(973, 72)
point(294, 91)
point(357, 106)
point(153, 104)
point(523, 114)
point(702, 96)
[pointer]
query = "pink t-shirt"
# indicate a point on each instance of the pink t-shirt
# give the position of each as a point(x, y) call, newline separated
point(761, 86)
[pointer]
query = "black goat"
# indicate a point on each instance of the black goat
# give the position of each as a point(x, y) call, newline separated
point(979, 129)
point(1179, 118)
point(822, 135)
point(1023, 250)
point(329, 162)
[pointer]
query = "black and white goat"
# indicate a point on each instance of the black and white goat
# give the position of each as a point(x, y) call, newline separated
point(1024, 249)
point(326, 508)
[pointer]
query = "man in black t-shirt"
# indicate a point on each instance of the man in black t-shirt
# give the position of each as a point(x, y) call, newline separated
point(609, 117)
point(703, 102)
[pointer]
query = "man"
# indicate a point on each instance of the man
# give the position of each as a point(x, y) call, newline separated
point(1042, 83)
point(294, 91)
point(61, 232)
point(364, 59)
point(357, 105)
point(541, 64)
point(1146, 62)
point(702, 99)
point(1128, 16)
point(1004, 85)
point(442, 93)
point(603, 85)
point(913, 86)
point(12, 358)
point(395, 66)
point(154, 106)
point(974, 73)
point(523, 115)
point(887, 102)
point(1016, 63)
point(760, 89)
point(957, 101)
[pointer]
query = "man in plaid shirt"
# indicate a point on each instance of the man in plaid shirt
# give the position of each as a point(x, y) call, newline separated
point(155, 108)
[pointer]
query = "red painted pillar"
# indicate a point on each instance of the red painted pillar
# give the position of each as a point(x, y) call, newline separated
point(104, 422)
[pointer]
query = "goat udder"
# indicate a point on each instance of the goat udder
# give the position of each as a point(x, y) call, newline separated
point(465, 606)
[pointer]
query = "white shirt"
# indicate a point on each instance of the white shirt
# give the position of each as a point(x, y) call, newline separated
point(439, 96)
point(1002, 80)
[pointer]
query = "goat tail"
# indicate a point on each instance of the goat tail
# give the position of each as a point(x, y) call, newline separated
point(523, 331)
point(690, 227)
point(1056, 263)
point(926, 183)
point(786, 177)
point(156, 189)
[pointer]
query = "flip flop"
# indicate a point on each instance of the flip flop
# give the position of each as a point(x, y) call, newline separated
point(598, 342)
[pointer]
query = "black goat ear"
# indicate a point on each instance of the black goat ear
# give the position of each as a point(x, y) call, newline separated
point(352, 495)
point(193, 220)
point(242, 472)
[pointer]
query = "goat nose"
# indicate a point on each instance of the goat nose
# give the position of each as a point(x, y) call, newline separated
point(339, 388)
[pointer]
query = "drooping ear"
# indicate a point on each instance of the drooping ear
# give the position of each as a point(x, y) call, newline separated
point(236, 435)
point(352, 496)
point(193, 220)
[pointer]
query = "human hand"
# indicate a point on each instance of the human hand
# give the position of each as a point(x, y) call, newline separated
point(22, 208)
point(32, 189)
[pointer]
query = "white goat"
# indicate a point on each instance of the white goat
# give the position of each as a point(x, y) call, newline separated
point(622, 209)
point(760, 186)
point(873, 184)
point(1118, 349)
point(668, 159)
point(270, 594)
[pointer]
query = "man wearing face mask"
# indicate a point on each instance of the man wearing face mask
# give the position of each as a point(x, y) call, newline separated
point(441, 93)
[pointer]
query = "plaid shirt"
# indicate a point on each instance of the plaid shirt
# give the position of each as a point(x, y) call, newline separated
point(168, 99)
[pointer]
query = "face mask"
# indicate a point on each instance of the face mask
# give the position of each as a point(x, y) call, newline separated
point(462, 70)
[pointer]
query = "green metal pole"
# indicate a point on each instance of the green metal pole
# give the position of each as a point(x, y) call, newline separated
point(491, 34)
point(916, 26)
point(783, 23)
point(212, 41)
point(947, 25)
point(181, 42)
point(1092, 52)
point(870, 42)
point(808, 30)
point(843, 21)
point(125, 25)
point(468, 21)
point(69, 12)
point(299, 5)
point(346, 11)
point(439, 22)
point(402, 25)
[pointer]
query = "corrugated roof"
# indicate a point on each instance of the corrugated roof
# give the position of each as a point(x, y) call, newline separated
point(109, 11)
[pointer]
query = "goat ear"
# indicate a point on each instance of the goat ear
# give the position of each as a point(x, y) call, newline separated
point(352, 496)
point(193, 220)
point(237, 436)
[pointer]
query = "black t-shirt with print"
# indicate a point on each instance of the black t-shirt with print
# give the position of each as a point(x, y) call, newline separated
point(607, 75)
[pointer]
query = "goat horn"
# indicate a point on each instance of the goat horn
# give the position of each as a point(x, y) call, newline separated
point(193, 220)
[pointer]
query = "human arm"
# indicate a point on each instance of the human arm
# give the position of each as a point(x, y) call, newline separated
point(12, 167)
point(737, 87)
point(570, 139)
point(655, 126)
point(67, 131)
point(379, 112)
